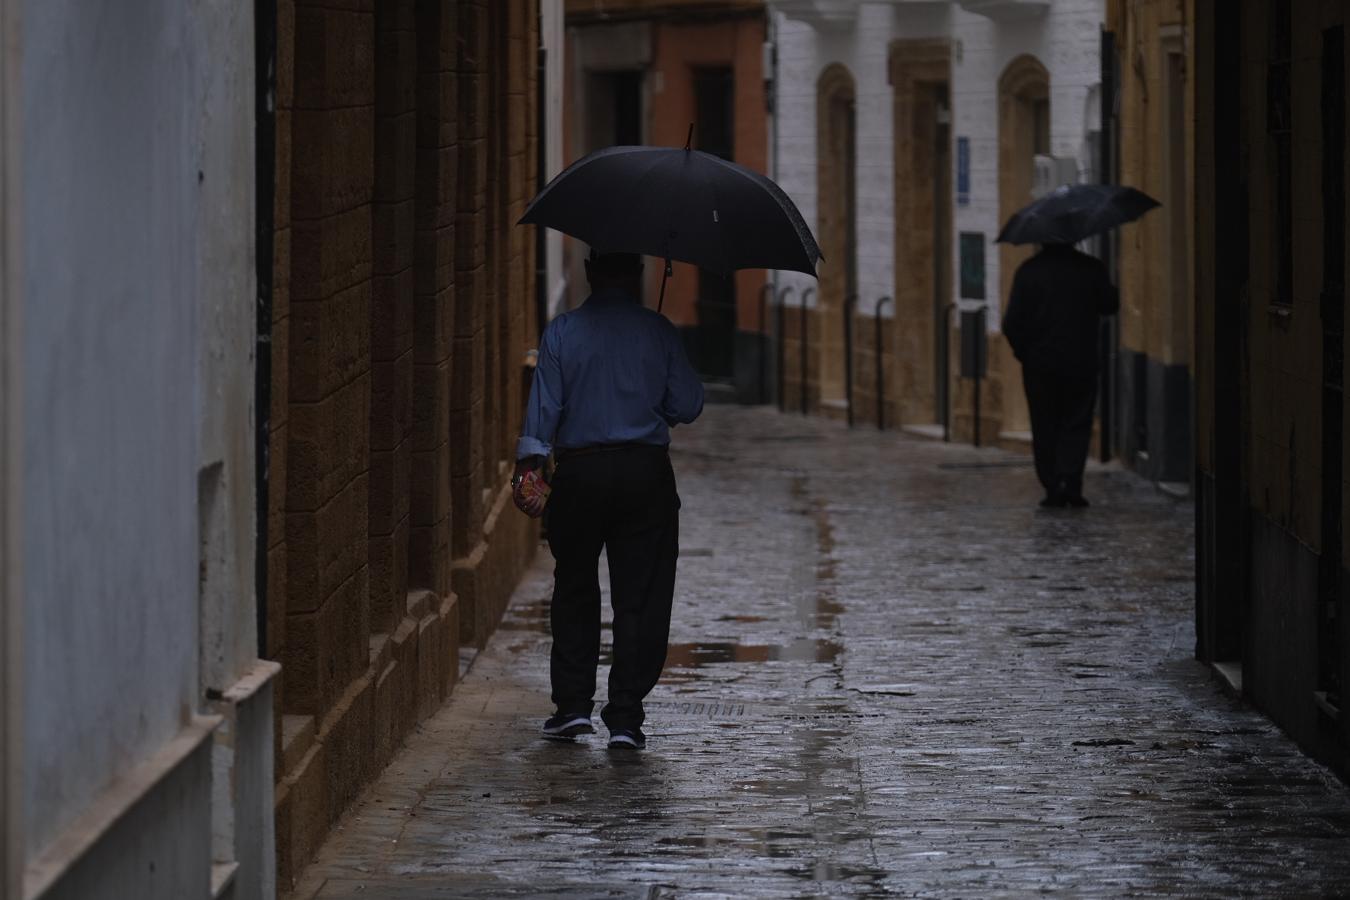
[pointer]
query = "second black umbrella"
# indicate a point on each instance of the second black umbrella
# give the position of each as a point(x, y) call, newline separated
point(683, 205)
point(1072, 212)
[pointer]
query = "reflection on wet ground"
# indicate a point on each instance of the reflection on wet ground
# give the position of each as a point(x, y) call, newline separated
point(912, 683)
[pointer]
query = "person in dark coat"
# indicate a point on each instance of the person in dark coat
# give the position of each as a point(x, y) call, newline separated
point(1051, 323)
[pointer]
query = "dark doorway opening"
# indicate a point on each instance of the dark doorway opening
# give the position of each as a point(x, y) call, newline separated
point(1330, 587)
point(615, 109)
point(715, 337)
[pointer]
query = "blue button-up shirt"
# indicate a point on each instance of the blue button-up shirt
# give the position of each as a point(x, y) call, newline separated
point(609, 372)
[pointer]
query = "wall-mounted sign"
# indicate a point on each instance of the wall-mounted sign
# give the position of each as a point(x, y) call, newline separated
point(972, 265)
point(963, 171)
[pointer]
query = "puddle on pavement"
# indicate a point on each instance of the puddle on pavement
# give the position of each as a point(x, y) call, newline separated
point(823, 608)
point(696, 655)
point(824, 870)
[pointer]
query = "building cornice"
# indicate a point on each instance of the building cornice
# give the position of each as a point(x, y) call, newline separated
point(1007, 10)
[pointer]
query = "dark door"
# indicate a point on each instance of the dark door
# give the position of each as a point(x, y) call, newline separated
point(1222, 540)
point(715, 337)
point(1330, 602)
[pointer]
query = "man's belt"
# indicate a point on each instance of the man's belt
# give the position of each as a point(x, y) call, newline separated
point(565, 453)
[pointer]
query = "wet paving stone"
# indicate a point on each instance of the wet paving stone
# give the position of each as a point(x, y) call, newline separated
point(890, 675)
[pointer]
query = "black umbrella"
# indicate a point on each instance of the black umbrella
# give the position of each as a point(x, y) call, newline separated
point(1072, 212)
point(677, 204)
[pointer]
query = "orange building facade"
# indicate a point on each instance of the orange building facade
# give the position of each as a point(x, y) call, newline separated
point(646, 73)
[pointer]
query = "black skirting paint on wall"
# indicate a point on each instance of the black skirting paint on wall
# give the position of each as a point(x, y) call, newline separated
point(1153, 404)
point(1280, 656)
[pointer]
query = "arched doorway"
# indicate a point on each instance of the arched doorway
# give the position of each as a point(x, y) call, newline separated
point(920, 75)
point(1023, 132)
point(836, 193)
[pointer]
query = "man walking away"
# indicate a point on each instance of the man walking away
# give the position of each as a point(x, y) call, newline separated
point(1051, 324)
point(611, 381)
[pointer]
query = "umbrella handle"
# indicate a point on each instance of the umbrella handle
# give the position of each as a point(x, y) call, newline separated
point(662, 299)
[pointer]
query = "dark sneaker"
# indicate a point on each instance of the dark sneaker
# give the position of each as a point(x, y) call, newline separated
point(565, 726)
point(1077, 501)
point(627, 739)
point(1054, 501)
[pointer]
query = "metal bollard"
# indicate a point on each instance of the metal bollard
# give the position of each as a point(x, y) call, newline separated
point(881, 381)
point(805, 338)
point(782, 322)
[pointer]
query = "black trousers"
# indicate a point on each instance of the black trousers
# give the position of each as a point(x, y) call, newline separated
point(1061, 428)
point(622, 500)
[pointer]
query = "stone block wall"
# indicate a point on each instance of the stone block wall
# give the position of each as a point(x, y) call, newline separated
point(403, 308)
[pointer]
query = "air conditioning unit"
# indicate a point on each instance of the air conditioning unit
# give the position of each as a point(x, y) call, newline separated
point(1049, 172)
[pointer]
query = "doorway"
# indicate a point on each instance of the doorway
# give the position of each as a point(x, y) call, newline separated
point(714, 132)
point(613, 109)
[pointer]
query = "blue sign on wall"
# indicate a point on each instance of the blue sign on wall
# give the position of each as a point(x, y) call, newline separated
point(963, 171)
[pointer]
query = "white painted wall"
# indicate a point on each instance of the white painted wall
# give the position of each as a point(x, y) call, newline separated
point(134, 240)
point(862, 45)
point(11, 475)
point(1066, 40)
point(110, 405)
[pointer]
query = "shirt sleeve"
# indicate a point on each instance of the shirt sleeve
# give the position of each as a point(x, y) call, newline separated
point(546, 399)
point(683, 399)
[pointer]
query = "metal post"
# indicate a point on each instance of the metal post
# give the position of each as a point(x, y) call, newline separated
point(947, 391)
point(977, 410)
point(849, 302)
point(979, 367)
point(805, 339)
point(881, 381)
point(764, 340)
point(782, 323)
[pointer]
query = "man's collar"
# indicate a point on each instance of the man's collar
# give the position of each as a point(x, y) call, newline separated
point(611, 295)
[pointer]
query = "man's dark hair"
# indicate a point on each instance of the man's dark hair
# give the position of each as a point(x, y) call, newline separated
point(614, 263)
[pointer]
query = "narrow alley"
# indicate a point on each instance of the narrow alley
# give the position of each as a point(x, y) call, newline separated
point(890, 674)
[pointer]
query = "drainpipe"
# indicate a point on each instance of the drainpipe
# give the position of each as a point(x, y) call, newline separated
point(264, 178)
point(771, 99)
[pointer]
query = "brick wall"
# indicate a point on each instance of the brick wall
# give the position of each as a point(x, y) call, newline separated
point(403, 306)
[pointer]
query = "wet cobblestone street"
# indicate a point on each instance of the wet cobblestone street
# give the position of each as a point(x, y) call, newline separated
point(890, 675)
